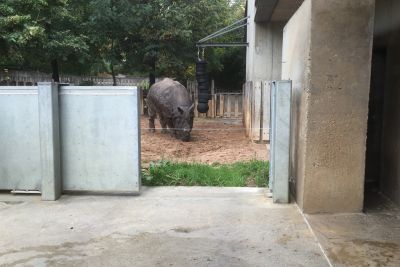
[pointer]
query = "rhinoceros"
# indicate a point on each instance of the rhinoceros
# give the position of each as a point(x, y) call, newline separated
point(171, 102)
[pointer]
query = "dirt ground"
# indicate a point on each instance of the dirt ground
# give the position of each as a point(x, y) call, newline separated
point(212, 140)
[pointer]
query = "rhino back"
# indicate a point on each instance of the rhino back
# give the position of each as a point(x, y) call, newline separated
point(168, 94)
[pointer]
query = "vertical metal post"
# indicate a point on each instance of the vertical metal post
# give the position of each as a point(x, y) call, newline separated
point(280, 140)
point(49, 141)
point(271, 136)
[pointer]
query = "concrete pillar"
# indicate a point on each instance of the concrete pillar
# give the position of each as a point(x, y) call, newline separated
point(49, 140)
point(264, 53)
point(327, 53)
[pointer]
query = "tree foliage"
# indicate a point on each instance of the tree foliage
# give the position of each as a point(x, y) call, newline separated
point(37, 31)
point(117, 36)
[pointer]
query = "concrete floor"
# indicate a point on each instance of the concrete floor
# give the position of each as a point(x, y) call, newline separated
point(181, 226)
point(162, 227)
point(371, 238)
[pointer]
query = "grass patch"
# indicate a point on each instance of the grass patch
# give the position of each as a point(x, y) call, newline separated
point(239, 174)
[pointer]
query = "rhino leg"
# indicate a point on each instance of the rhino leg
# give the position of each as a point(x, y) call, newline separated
point(171, 127)
point(152, 116)
point(163, 123)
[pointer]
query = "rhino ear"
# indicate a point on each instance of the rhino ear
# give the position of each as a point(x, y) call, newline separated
point(180, 110)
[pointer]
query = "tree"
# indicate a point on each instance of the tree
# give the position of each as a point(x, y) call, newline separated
point(112, 24)
point(128, 36)
point(48, 30)
point(167, 40)
point(18, 30)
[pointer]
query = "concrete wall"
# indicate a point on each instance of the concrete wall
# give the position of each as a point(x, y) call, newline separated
point(296, 67)
point(263, 64)
point(387, 35)
point(264, 53)
point(327, 54)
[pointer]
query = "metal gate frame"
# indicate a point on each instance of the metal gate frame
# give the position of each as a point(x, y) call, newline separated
point(280, 125)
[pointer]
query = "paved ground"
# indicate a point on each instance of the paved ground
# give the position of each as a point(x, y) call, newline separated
point(162, 227)
point(364, 239)
point(197, 226)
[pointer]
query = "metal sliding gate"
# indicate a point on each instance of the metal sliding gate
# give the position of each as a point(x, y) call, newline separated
point(19, 138)
point(280, 123)
point(60, 138)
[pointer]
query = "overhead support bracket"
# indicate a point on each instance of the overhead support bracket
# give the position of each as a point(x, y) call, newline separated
point(221, 44)
point(234, 26)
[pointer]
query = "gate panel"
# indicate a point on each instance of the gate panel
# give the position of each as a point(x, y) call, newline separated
point(19, 138)
point(100, 138)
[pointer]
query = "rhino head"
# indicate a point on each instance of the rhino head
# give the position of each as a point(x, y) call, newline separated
point(183, 122)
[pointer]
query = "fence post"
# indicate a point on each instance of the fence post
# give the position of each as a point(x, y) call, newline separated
point(195, 100)
point(256, 125)
point(221, 105)
point(236, 105)
point(212, 99)
point(266, 103)
point(49, 140)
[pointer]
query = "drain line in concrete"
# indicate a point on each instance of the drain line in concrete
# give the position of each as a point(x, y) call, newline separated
point(315, 237)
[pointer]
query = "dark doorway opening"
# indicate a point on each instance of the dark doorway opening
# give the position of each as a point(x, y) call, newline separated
point(375, 128)
point(375, 121)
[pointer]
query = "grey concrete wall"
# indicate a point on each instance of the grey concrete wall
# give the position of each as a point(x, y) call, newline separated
point(387, 31)
point(250, 38)
point(264, 53)
point(328, 57)
point(263, 64)
point(296, 67)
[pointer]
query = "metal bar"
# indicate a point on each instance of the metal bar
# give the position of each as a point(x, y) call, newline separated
point(217, 32)
point(222, 33)
point(15, 191)
point(222, 44)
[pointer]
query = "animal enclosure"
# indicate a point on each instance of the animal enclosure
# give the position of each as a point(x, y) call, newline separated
point(221, 105)
point(256, 109)
point(31, 78)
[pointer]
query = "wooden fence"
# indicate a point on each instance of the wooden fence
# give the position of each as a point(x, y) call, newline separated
point(221, 105)
point(256, 110)
point(32, 78)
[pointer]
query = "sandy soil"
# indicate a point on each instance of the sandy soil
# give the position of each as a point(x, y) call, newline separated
point(212, 140)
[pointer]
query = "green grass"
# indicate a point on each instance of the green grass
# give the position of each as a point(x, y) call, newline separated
point(239, 174)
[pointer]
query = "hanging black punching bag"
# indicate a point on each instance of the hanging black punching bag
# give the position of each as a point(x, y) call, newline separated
point(202, 82)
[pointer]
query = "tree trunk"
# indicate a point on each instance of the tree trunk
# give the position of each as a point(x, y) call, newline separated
point(152, 75)
point(54, 67)
point(112, 58)
point(113, 74)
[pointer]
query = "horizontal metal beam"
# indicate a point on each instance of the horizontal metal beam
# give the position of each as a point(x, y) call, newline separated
point(222, 44)
point(225, 30)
